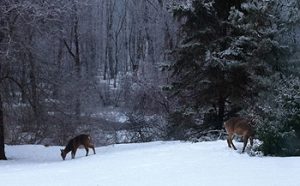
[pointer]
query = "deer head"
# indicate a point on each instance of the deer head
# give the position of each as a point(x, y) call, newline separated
point(63, 154)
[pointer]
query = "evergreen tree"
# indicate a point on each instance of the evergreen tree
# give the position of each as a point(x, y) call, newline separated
point(278, 112)
point(226, 51)
point(277, 108)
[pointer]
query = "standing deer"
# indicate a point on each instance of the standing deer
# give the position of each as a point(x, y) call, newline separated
point(242, 127)
point(74, 143)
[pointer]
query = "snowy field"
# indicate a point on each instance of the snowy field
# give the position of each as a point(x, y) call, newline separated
point(149, 164)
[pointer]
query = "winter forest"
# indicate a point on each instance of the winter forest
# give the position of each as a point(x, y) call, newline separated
point(128, 71)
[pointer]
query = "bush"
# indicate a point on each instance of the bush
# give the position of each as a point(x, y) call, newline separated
point(282, 140)
point(279, 130)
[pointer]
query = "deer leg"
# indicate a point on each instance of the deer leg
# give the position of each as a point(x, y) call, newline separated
point(228, 141)
point(87, 150)
point(92, 147)
point(251, 141)
point(73, 153)
point(245, 138)
point(231, 137)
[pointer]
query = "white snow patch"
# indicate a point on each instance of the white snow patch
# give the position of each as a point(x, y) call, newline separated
point(148, 164)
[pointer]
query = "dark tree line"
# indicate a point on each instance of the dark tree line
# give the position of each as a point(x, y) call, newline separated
point(229, 55)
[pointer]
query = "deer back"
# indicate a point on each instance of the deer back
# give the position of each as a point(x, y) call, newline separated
point(82, 139)
point(75, 142)
point(240, 126)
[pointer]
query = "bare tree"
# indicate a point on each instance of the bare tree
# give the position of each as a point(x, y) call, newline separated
point(67, 59)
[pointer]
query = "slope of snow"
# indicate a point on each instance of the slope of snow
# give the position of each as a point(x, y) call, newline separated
point(148, 164)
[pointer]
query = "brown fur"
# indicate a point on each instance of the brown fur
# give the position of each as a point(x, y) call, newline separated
point(74, 143)
point(242, 127)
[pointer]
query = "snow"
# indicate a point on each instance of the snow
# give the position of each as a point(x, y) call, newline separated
point(148, 164)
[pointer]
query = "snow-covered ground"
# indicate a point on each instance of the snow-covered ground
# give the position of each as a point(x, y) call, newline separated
point(148, 164)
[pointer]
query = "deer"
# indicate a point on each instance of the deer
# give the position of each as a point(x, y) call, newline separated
point(74, 143)
point(242, 127)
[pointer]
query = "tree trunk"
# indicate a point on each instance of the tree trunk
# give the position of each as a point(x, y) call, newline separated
point(116, 62)
point(2, 151)
point(110, 9)
point(33, 86)
point(221, 112)
point(58, 65)
point(77, 62)
point(149, 42)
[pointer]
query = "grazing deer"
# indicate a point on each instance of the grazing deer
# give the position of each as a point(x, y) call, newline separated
point(74, 143)
point(242, 127)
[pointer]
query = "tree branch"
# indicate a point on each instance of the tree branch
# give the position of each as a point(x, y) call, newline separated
point(69, 49)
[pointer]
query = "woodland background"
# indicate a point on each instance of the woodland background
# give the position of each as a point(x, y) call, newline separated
point(144, 70)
